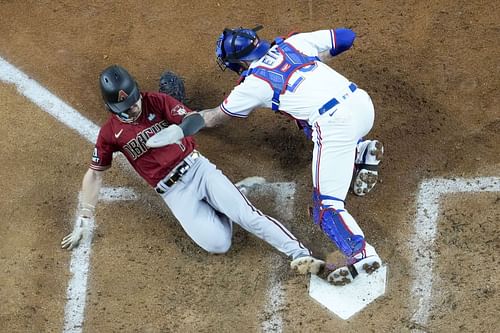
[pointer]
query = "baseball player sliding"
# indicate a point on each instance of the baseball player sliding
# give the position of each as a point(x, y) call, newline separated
point(290, 77)
point(203, 200)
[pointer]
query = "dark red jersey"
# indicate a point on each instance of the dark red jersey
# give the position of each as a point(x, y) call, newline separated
point(152, 164)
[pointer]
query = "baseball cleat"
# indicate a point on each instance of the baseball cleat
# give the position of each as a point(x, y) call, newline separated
point(369, 155)
point(307, 264)
point(344, 275)
point(246, 184)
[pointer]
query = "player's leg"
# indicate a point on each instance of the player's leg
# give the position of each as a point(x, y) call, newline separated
point(335, 140)
point(224, 197)
point(339, 225)
point(369, 153)
point(209, 229)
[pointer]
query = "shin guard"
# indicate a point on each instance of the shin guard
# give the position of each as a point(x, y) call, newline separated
point(332, 224)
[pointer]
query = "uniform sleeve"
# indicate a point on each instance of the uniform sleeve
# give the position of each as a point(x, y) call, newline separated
point(334, 40)
point(172, 109)
point(245, 97)
point(102, 156)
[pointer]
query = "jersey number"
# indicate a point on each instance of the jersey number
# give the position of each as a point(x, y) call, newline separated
point(292, 86)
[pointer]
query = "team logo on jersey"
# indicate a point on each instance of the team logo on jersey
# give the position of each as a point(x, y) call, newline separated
point(122, 95)
point(179, 110)
point(151, 116)
point(136, 147)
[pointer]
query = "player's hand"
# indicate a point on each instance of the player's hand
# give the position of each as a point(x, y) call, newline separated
point(80, 231)
point(167, 136)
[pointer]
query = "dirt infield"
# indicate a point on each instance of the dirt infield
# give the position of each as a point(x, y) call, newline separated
point(431, 68)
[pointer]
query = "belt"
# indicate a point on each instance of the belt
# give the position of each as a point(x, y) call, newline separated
point(176, 174)
point(331, 103)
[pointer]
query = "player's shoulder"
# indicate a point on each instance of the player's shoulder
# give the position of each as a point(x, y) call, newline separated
point(159, 98)
point(310, 36)
point(108, 127)
point(310, 42)
point(295, 36)
point(153, 96)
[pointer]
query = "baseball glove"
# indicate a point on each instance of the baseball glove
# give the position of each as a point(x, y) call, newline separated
point(171, 84)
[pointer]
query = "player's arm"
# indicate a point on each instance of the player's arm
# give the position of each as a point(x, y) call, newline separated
point(214, 117)
point(91, 185)
point(191, 124)
point(339, 40)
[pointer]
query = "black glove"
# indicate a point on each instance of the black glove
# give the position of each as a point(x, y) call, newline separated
point(172, 85)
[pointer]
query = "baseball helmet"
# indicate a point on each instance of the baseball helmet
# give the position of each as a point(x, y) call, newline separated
point(237, 45)
point(119, 89)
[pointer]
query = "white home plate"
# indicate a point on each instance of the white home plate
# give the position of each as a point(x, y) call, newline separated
point(345, 301)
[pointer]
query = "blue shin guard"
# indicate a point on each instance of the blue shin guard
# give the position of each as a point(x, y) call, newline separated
point(334, 227)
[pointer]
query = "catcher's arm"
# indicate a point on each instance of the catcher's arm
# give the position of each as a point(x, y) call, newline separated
point(91, 185)
point(343, 41)
point(214, 117)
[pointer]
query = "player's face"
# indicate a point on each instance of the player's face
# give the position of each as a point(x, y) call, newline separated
point(133, 112)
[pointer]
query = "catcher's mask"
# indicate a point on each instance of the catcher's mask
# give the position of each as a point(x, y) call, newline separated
point(119, 91)
point(237, 45)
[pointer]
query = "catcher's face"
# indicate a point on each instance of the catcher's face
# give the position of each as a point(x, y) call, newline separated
point(131, 114)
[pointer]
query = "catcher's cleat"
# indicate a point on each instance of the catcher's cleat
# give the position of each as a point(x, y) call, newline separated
point(369, 154)
point(344, 275)
point(307, 264)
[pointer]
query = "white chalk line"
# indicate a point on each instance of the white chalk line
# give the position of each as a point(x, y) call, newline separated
point(64, 113)
point(276, 297)
point(422, 243)
point(51, 104)
point(48, 101)
point(284, 193)
point(80, 262)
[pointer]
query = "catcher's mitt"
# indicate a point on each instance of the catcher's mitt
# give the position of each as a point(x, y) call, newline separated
point(171, 84)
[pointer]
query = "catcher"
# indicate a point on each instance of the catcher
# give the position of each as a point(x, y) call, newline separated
point(201, 197)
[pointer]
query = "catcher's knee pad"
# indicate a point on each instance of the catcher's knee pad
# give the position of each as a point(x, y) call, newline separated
point(332, 224)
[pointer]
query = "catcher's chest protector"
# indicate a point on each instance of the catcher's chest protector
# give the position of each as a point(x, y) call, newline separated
point(278, 76)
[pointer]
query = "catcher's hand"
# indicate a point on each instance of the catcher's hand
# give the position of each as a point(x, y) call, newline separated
point(80, 231)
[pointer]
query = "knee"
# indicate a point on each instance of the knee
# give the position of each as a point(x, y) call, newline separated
point(219, 246)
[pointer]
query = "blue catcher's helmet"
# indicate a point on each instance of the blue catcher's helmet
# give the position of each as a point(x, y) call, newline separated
point(237, 45)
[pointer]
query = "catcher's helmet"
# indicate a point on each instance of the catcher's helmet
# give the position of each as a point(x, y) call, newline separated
point(119, 89)
point(237, 45)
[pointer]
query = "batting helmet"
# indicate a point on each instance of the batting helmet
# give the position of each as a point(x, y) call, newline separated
point(237, 45)
point(119, 89)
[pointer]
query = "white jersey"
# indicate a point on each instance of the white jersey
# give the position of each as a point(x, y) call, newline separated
point(307, 90)
point(339, 115)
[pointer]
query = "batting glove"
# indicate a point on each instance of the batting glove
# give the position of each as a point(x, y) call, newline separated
point(80, 231)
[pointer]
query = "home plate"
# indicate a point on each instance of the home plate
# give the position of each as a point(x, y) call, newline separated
point(345, 301)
